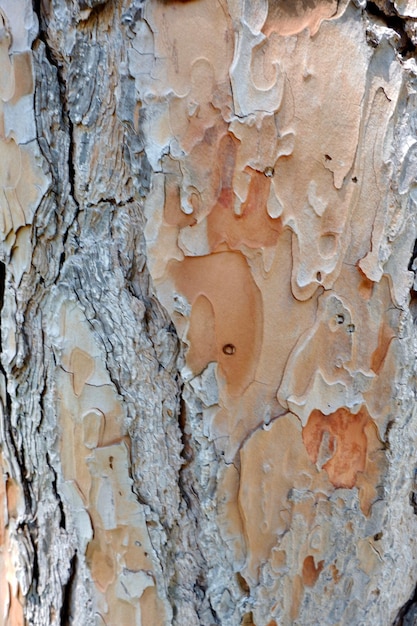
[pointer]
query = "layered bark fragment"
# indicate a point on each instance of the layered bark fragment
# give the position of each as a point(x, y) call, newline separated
point(207, 215)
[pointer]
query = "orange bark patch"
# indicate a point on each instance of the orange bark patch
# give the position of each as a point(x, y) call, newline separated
point(13, 493)
point(375, 462)
point(310, 571)
point(366, 286)
point(226, 316)
point(11, 601)
point(15, 616)
point(343, 434)
point(173, 215)
point(335, 573)
point(151, 607)
point(386, 335)
point(253, 227)
point(290, 18)
point(82, 367)
point(216, 155)
point(102, 566)
point(23, 75)
point(202, 335)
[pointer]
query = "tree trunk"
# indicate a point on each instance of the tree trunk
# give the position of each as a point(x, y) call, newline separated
point(208, 341)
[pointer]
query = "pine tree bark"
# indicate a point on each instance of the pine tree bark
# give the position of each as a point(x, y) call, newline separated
point(208, 316)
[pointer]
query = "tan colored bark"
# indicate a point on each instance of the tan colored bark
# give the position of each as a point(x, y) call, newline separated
point(290, 168)
point(208, 221)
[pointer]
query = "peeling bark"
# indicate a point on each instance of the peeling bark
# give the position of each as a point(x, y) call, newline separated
point(207, 231)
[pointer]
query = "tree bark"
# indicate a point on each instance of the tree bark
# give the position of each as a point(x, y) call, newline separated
point(208, 314)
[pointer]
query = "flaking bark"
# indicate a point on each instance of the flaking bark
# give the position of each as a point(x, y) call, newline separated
point(208, 324)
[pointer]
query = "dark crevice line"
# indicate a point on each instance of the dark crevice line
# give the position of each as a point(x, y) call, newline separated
point(413, 258)
point(391, 19)
point(190, 497)
point(412, 267)
point(63, 199)
point(66, 617)
point(62, 517)
point(408, 612)
point(67, 123)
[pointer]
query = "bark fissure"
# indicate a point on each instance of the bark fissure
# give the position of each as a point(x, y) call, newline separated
point(407, 614)
point(69, 589)
point(66, 197)
point(386, 12)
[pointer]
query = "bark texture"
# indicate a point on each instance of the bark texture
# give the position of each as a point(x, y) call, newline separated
point(208, 225)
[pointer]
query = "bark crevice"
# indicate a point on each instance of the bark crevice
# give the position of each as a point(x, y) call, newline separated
point(407, 615)
point(68, 592)
point(385, 12)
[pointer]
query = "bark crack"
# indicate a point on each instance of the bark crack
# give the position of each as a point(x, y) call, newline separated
point(386, 12)
point(68, 590)
point(62, 194)
point(407, 613)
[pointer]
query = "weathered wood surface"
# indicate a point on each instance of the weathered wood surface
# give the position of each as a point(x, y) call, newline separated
point(208, 345)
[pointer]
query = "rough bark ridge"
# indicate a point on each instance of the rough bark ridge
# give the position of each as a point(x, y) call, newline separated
point(208, 339)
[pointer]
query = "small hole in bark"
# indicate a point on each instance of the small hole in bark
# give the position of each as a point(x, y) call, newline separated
point(269, 172)
point(354, 179)
point(340, 319)
point(111, 462)
point(351, 328)
point(229, 349)
point(378, 536)
point(318, 276)
point(413, 501)
point(327, 157)
point(242, 583)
